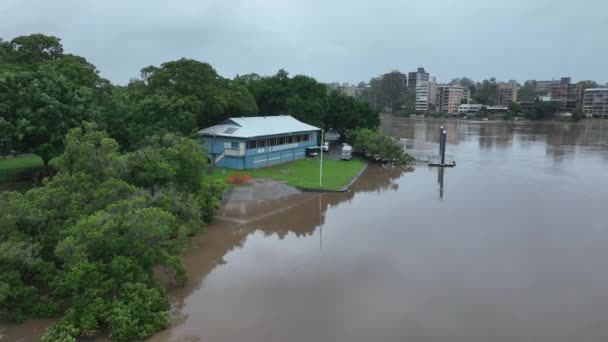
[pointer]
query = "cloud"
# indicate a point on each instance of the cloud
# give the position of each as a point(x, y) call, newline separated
point(331, 40)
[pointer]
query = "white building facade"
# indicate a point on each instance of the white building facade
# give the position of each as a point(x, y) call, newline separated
point(469, 108)
point(422, 96)
point(595, 103)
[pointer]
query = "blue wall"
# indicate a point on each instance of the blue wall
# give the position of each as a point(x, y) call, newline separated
point(257, 157)
point(216, 145)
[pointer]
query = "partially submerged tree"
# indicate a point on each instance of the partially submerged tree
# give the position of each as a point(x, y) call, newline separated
point(379, 147)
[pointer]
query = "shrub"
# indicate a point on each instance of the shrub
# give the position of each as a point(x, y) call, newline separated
point(379, 147)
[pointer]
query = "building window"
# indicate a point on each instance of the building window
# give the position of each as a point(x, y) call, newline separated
point(251, 144)
point(289, 139)
point(234, 145)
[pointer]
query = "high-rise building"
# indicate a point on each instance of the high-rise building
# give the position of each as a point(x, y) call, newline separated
point(449, 97)
point(422, 96)
point(565, 93)
point(418, 84)
point(416, 76)
point(505, 94)
point(595, 103)
point(432, 91)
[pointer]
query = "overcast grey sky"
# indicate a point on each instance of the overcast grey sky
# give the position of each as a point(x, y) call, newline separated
point(329, 40)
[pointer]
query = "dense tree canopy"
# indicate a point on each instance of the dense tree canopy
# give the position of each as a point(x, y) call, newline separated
point(93, 234)
point(389, 93)
point(346, 114)
point(308, 100)
point(379, 147)
point(541, 110)
point(44, 93)
point(485, 92)
point(528, 92)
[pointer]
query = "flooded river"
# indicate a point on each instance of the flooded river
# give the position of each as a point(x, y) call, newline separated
point(510, 245)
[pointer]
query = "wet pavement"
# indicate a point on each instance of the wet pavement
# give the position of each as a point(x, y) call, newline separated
point(510, 245)
point(258, 190)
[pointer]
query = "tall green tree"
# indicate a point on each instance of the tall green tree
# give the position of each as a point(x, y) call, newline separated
point(206, 95)
point(43, 105)
point(485, 92)
point(300, 96)
point(345, 114)
point(392, 90)
point(528, 92)
point(31, 50)
point(44, 93)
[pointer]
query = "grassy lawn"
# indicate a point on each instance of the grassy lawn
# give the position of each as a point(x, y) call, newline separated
point(23, 161)
point(305, 173)
point(16, 168)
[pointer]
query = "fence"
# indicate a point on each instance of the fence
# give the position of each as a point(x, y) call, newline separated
point(423, 151)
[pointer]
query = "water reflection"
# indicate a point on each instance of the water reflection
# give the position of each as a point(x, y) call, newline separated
point(440, 171)
point(300, 215)
point(561, 140)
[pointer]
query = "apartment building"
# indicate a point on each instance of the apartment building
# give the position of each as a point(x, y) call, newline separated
point(544, 86)
point(562, 91)
point(414, 77)
point(448, 98)
point(432, 91)
point(505, 94)
point(422, 96)
point(418, 83)
point(595, 103)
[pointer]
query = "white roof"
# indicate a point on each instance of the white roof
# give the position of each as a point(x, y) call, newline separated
point(258, 126)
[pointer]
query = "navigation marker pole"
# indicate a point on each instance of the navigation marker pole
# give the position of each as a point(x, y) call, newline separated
point(444, 138)
point(440, 161)
point(321, 165)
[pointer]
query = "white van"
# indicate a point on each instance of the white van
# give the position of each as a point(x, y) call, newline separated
point(347, 152)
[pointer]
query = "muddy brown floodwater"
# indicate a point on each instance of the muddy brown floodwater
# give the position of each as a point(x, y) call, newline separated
point(510, 245)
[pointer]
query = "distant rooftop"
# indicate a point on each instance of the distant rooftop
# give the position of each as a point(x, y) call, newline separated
point(257, 126)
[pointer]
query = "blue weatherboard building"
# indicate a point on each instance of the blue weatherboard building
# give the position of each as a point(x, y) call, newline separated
point(253, 142)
